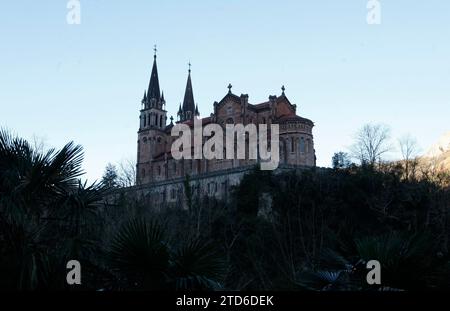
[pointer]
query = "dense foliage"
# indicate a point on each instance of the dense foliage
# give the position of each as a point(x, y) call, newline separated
point(301, 230)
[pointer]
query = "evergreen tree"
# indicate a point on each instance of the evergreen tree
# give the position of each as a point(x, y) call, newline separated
point(110, 176)
point(340, 160)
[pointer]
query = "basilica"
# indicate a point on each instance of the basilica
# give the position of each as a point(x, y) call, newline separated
point(159, 173)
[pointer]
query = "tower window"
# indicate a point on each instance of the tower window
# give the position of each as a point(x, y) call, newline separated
point(292, 144)
point(302, 145)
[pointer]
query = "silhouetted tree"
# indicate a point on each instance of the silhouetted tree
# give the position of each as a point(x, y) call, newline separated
point(126, 173)
point(409, 150)
point(340, 160)
point(110, 176)
point(371, 143)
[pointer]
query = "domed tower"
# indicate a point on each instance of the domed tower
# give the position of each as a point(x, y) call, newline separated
point(152, 123)
point(296, 137)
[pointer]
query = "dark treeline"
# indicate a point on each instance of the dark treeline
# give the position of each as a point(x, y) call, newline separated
point(305, 230)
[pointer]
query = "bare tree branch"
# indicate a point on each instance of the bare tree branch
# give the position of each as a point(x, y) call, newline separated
point(371, 143)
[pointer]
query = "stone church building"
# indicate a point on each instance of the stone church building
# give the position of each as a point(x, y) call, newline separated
point(161, 177)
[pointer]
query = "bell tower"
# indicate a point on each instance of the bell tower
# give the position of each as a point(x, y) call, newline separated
point(152, 123)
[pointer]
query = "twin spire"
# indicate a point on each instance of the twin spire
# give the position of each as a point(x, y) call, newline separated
point(153, 86)
point(188, 110)
point(153, 97)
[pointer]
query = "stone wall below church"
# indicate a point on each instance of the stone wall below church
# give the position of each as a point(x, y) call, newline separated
point(216, 184)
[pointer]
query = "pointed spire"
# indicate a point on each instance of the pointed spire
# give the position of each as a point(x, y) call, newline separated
point(196, 111)
point(179, 110)
point(162, 96)
point(188, 102)
point(144, 99)
point(153, 87)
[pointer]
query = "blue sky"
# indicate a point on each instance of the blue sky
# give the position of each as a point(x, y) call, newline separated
point(84, 82)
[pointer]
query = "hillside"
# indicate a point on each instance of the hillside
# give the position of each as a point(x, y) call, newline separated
point(439, 153)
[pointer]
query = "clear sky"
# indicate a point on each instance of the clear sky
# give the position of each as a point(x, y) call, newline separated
point(84, 82)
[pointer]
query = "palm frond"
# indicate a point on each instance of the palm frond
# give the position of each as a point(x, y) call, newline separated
point(198, 265)
point(139, 253)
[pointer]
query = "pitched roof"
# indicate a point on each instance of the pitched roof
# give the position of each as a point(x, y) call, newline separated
point(295, 118)
point(190, 122)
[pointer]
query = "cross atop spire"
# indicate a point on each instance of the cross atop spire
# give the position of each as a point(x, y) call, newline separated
point(155, 50)
point(189, 64)
point(283, 89)
point(229, 88)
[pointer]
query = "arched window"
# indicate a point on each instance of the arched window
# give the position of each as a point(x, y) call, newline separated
point(159, 170)
point(160, 121)
point(292, 144)
point(229, 110)
point(302, 145)
point(308, 145)
point(264, 120)
point(143, 172)
point(145, 120)
point(174, 168)
point(230, 121)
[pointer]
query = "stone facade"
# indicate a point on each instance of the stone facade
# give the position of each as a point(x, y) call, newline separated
point(215, 184)
point(159, 173)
